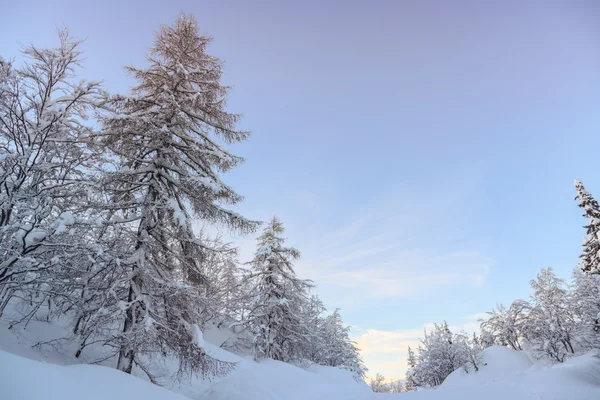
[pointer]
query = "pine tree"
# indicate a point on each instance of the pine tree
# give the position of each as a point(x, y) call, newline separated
point(274, 319)
point(590, 257)
point(339, 350)
point(166, 137)
point(410, 384)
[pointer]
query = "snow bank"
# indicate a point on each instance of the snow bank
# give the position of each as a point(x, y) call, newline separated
point(25, 379)
point(48, 373)
point(506, 375)
point(498, 362)
point(274, 380)
point(510, 374)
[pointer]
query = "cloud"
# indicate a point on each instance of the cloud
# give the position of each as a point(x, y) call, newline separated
point(385, 352)
point(401, 244)
point(389, 272)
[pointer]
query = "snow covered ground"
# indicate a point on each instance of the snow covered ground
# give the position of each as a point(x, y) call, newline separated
point(29, 373)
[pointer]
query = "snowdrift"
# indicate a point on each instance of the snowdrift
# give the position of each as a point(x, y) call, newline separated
point(276, 380)
point(29, 372)
point(498, 363)
point(510, 374)
point(47, 373)
point(25, 379)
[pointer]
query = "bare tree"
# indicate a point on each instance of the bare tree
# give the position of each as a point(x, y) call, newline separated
point(45, 164)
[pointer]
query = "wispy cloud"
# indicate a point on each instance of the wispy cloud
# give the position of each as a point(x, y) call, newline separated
point(408, 275)
point(409, 241)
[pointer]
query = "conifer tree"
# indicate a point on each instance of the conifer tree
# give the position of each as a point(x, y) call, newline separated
point(339, 350)
point(167, 136)
point(274, 318)
point(590, 257)
point(410, 384)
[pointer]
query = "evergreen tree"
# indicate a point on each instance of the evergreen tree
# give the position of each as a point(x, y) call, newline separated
point(410, 384)
point(590, 257)
point(274, 318)
point(166, 137)
point(338, 348)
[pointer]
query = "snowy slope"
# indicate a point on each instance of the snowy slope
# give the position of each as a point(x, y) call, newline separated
point(31, 373)
point(510, 374)
point(25, 379)
point(59, 375)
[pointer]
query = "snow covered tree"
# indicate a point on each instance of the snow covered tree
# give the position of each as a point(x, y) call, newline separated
point(338, 349)
point(314, 326)
point(411, 384)
point(551, 322)
point(274, 319)
point(441, 352)
point(590, 257)
point(396, 386)
point(46, 174)
point(379, 385)
point(224, 293)
point(506, 326)
point(166, 137)
point(472, 347)
point(585, 302)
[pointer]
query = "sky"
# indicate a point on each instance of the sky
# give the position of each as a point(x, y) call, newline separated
point(420, 153)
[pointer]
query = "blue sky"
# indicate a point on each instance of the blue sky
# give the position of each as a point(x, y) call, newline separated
point(421, 153)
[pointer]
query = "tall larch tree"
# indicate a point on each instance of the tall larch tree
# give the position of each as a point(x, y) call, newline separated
point(168, 136)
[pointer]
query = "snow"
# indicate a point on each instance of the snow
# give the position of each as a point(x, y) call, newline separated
point(498, 362)
point(271, 379)
point(198, 336)
point(25, 379)
point(64, 220)
point(510, 374)
point(49, 373)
